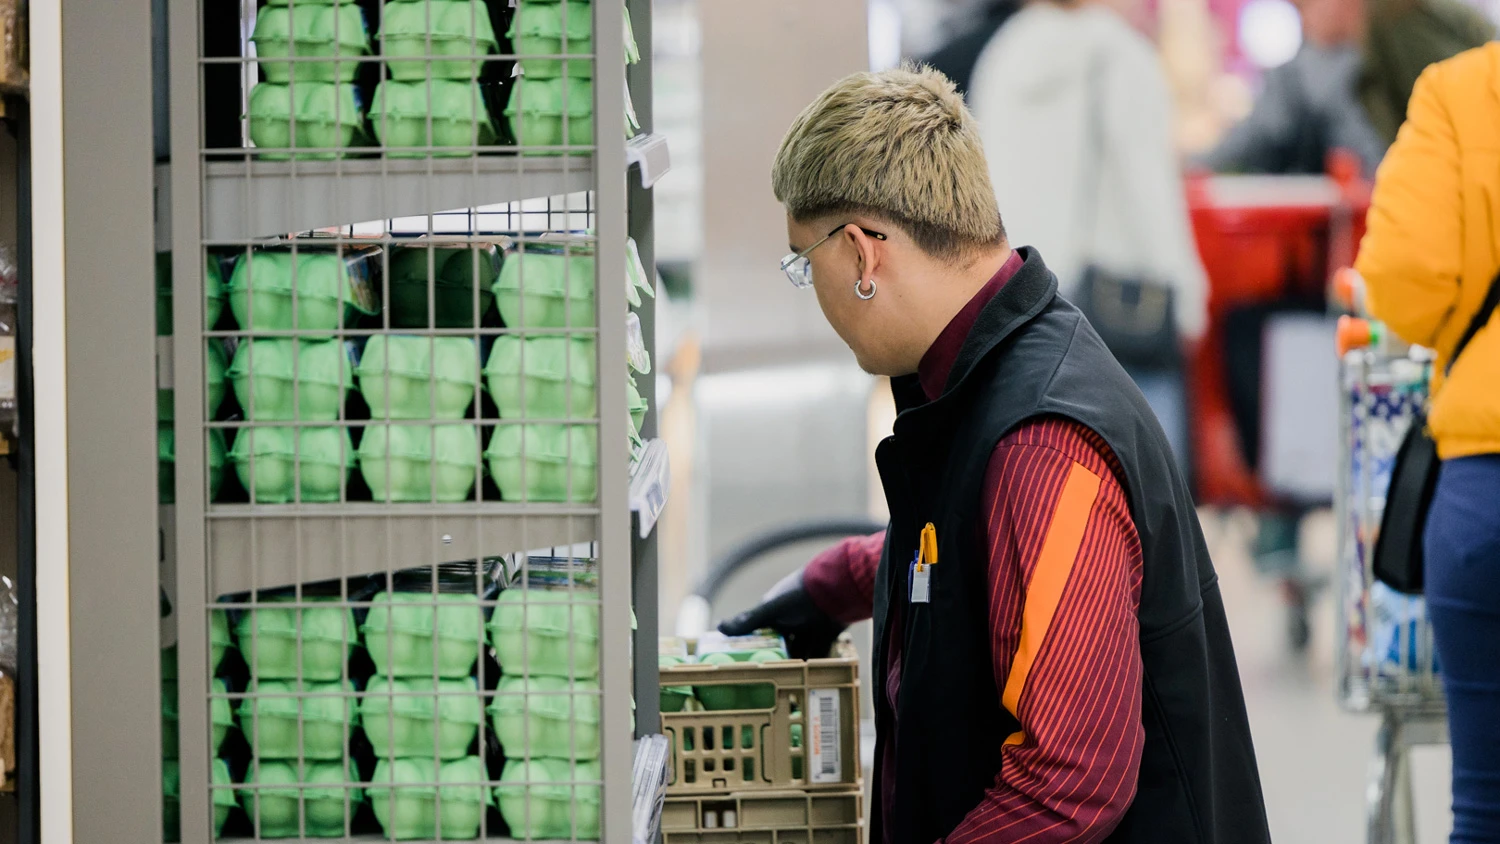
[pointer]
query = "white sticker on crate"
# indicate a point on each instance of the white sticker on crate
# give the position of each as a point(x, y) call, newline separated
point(824, 762)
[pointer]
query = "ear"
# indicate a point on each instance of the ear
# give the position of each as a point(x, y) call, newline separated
point(871, 251)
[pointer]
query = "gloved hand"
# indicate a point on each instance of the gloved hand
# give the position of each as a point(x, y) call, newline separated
point(790, 611)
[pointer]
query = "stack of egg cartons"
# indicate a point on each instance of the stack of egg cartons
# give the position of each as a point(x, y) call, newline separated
point(546, 709)
point(299, 717)
point(221, 719)
point(295, 379)
point(310, 54)
point(214, 363)
point(422, 713)
point(433, 103)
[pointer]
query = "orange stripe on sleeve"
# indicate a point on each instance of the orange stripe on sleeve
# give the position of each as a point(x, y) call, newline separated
point(1054, 565)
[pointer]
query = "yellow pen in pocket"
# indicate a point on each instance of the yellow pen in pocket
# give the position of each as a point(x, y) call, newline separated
point(928, 548)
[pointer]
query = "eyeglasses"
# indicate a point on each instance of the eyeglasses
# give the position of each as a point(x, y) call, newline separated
point(799, 269)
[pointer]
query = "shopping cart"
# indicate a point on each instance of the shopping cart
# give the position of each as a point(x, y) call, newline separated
point(1385, 660)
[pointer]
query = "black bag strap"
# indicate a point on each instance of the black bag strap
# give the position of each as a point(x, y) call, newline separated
point(1481, 319)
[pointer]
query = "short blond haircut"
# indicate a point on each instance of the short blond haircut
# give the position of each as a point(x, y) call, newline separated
point(898, 145)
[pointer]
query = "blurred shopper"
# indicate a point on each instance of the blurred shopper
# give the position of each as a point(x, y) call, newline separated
point(1042, 541)
point(1429, 261)
point(1076, 117)
point(957, 57)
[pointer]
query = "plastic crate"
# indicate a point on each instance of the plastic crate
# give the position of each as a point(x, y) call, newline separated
point(738, 750)
point(783, 817)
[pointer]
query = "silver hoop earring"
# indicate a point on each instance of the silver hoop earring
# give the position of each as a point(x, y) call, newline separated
point(859, 289)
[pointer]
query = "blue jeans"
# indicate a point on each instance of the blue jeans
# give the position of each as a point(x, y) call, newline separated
point(1462, 549)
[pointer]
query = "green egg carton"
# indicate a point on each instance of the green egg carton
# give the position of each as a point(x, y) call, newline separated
point(546, 377)
point(398, 717)
point(637, 405)
point(454, 281)
point(553, 807)
point(673, 698)
point(213, 293)
point(335, 33)
point(215, 366)
point(537, 29)
point(266, 373)
point(171, 790)
point(219, 640)
point(282, 465)
point(221, 716)
point(317, 796)
point(329, 120)
point(401, 111)
point(547, 632)
point(546, 287)
point(330, 289)
point(537, 108)
point(401, 626)
point(269, 636)
point(404, 377)
point(547, 716)
point(287, 720)
point(166, 463)
point(410, 807)
point(401, 462)
point(717, 698)
point(545, 462)
point(418, 35)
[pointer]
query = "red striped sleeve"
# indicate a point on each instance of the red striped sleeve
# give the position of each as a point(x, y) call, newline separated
point(841, 580)
point(1065, 578)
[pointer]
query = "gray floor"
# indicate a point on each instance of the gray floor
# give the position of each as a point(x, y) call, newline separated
point(768, 455)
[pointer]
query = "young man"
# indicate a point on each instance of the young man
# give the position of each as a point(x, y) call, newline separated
point(1052, 659)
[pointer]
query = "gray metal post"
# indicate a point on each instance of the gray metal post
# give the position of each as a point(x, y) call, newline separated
point(111, 421)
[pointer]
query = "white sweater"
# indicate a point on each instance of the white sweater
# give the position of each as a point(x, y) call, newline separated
point(1030, 94)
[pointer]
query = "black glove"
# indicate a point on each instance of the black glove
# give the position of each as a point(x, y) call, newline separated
point(790, 611)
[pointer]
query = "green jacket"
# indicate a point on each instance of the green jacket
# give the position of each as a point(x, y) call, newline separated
point(1405, 36)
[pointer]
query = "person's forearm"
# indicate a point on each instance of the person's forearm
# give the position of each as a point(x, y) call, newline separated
point(841, 580)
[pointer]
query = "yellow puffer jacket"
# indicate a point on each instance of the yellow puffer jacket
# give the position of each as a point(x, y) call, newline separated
point(1433, 243)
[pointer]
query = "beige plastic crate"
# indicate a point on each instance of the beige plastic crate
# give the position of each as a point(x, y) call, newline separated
point(766, 817)
point(744, 750)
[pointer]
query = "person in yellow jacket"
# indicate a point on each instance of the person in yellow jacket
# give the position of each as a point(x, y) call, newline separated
point(1429, 257)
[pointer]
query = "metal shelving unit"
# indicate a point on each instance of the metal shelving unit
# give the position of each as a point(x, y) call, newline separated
point(245, 552)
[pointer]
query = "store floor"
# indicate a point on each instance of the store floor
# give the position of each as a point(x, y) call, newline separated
point(767, 456)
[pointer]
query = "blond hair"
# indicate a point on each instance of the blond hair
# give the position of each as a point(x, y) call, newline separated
point(898, 145)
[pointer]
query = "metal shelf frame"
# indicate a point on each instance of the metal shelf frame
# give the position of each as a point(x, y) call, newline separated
point(220, 549)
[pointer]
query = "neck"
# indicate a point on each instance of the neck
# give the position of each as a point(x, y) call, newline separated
point(948, 289)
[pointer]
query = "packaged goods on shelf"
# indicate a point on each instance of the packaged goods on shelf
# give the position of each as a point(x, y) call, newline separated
point(547, 717)
point(331, 289)
point(545, 285)
point(454, 282)
point(404, 717)
point(274, 640)
point(537, 109)
point(402, 113)
point(221, 716)
point(407, 377)
point(545, 377)
point(219, 640)
point(400, 628)
point(282, 465)
point(166, 463)
point(310, 31)
point(318, 796)
point(216, 386)
point(213, 292)
point(171, 786)
point(673, 698)
point(289, 720)
point(324, 118)
point(409, 806)
point(562, 802)
point(637, 405)
point(417, 35)
point(419, 462)
point(551, 632)
point(268, 374)
point(538, 29)
point(545, 462)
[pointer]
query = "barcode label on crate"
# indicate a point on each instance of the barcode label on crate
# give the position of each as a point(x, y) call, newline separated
point(824, 764)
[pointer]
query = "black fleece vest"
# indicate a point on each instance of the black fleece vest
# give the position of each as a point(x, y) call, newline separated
point(1032, 354)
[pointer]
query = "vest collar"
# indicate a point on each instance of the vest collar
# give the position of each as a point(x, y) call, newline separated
point(1028, 292)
